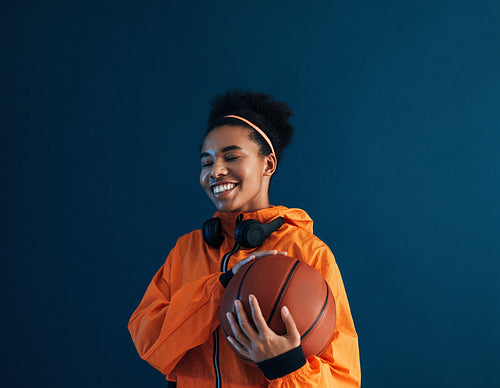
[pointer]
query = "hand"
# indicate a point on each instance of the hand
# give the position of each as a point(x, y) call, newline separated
point(256, 255)
point(258, 342)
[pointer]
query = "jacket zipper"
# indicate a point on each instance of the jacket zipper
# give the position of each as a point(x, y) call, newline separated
point(223, 268)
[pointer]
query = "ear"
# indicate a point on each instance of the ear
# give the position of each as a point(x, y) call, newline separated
point(270, 165)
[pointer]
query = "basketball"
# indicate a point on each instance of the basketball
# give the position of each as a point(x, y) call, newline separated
point(279, 281)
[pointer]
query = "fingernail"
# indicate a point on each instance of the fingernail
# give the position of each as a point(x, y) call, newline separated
point(285, 310)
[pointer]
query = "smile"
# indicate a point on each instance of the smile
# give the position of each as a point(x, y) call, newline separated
point(219, 189)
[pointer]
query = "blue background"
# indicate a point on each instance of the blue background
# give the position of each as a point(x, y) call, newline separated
point(396, 157)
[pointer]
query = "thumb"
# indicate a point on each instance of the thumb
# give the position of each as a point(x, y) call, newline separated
point(291, 328)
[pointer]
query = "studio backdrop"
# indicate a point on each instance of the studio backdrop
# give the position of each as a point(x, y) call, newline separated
point(396, 157)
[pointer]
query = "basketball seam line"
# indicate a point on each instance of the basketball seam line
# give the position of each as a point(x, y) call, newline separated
point(244, 276)
point(319, 315)
point(282, 291)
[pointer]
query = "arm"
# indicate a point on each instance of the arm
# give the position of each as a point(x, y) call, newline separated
point(170, 321)
point(167, 324)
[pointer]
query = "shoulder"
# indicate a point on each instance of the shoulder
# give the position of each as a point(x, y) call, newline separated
point(305, 245)
point(187, 243)
point(190, 237)
point(190, 241)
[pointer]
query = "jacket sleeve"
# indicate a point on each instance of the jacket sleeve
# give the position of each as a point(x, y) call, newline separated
point(167, 324)
point(338, 366)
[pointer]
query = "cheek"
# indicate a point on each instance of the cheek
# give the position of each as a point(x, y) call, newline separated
point(252, 174)
point(203, 178)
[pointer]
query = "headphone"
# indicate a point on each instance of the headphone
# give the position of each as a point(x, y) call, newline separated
point(249, 233)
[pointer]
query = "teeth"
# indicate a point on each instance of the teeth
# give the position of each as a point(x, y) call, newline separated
point(222, 188)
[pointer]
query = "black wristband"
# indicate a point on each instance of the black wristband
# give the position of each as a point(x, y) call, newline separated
point(226, 277)
point(283, 364)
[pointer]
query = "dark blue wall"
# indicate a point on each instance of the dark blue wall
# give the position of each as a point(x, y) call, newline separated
point(396, 157)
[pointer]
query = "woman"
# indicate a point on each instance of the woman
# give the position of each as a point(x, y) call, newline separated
point(176, 326)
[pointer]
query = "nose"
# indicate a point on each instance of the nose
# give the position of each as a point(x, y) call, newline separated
point(218, 169)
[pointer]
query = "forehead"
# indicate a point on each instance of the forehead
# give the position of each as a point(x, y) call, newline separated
point(228, 135)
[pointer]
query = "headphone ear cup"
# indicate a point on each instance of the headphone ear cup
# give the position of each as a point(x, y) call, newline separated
point(212, 232)
point(250, 233)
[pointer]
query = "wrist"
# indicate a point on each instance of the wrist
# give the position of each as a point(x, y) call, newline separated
point(225, 277)
point(283, 364)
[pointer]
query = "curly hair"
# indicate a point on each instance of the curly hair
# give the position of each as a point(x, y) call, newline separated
point(261, 109)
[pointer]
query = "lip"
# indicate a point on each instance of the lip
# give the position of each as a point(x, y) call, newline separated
point(225, 193)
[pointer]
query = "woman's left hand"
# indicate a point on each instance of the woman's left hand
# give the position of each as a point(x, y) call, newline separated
point(258, 342)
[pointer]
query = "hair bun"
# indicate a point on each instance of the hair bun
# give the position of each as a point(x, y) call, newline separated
point(262, 109)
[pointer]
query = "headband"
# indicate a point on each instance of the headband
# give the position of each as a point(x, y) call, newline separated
point(261, 132)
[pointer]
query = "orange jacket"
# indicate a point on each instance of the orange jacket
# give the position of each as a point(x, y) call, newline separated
point(176, 326)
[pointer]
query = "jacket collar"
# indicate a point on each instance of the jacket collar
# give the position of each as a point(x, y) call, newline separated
point(292, 216)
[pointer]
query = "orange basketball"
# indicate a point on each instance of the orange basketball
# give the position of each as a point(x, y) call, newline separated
point(279, 281)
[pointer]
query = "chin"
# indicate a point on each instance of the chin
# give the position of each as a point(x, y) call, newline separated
point(226, 209)
point(222, 207)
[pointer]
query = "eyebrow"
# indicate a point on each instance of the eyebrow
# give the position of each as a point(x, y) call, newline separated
point(225, 149)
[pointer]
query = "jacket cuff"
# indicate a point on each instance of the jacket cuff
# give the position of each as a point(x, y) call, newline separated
point(226, 277)
point(283, 364)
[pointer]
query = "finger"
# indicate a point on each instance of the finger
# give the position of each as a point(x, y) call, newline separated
point(258, 318)
point(284, 253)
point(239, 347)
point(238, 335)
point(245, 324)
point(265, 253)
point(240, 264)
point(291, 328)
point(247, 260)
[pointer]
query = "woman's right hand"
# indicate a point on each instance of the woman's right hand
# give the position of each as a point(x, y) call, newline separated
point(256, 255)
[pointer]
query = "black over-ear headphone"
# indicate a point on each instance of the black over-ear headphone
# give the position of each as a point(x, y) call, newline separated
point(249, 233)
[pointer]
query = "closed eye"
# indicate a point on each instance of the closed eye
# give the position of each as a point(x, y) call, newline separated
point(234, 155)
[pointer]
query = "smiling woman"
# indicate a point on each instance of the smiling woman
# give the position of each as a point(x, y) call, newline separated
point(176, 326)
